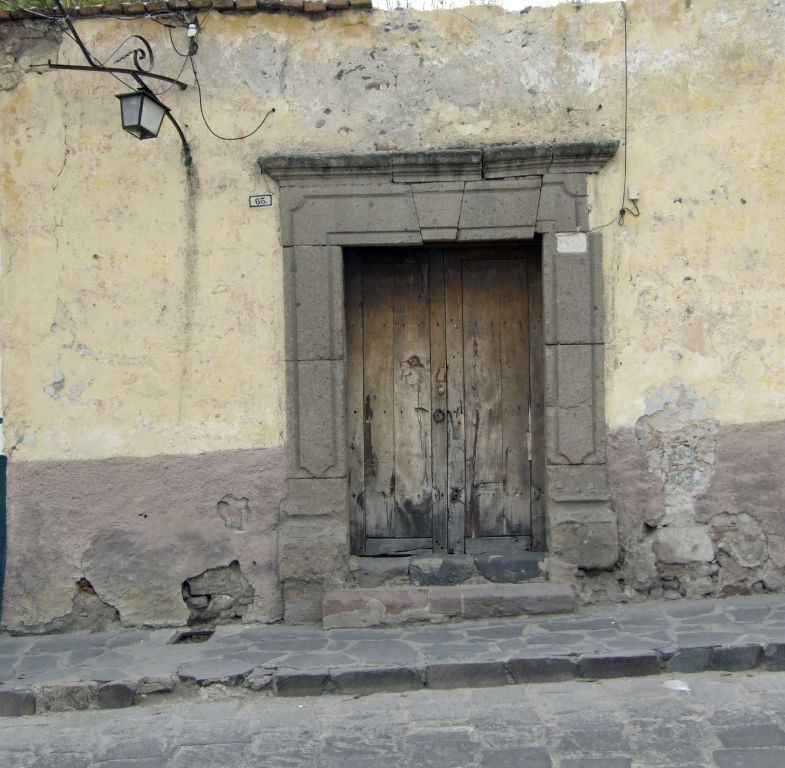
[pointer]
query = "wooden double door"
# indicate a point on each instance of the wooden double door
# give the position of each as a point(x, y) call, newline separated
point(444, 399)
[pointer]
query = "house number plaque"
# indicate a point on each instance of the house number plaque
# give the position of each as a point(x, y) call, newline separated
point(260, 201)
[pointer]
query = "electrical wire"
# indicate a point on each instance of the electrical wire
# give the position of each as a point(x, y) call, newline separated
point(172, 85)
point(64, 29)
point(201, 110)
point(623, 210)
point(174, 47)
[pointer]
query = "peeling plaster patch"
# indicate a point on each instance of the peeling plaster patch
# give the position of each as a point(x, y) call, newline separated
point(134, 575)
point(236, 513)
point(17, 42)
point(83, 351)
point(694, 339)
point(678, 436)
point(589, 71)
point(75, 391)
point(218, 594)
point(89, 612)
point(56, 387)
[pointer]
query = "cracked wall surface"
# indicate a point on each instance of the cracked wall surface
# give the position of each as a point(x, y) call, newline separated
point(143, 311)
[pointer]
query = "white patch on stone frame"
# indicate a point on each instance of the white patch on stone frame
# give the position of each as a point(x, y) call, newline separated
point(571, 242)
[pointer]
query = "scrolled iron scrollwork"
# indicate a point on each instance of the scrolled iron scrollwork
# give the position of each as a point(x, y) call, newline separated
point(142, 54)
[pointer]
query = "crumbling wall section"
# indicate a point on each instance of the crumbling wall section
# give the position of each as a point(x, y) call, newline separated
point(21, 45)
point(700, 504)
point(155, 541)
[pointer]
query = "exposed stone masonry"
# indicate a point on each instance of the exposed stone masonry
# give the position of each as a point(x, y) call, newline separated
point(17, 43)
point(218, 594)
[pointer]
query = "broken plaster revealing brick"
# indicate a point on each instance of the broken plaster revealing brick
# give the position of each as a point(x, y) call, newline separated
point(218, 594)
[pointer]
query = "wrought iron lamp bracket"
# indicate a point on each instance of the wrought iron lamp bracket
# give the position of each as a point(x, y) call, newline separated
point(143, 61)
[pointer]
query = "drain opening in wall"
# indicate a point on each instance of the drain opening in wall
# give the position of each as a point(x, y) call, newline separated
point(192, 636)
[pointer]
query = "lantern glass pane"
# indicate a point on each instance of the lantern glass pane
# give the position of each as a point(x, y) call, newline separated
point(152, 117)
point(130, 107)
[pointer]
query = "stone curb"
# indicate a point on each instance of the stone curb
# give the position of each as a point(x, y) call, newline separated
point(395, 678)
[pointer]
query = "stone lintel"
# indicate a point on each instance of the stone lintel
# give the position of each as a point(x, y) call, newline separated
point(320, 215)
point(499, 210)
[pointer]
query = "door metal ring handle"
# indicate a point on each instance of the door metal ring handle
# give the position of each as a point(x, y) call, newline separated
point(438, 415)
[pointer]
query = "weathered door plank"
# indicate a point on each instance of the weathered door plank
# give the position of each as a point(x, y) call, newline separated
point(514, 341)
point(439, 421)
point(354, 402)
point(456, 439)
point(482, 387)
point(412, 400)
point(378, 403)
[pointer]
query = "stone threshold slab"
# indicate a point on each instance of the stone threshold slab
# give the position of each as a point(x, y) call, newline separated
point(385, 606)
point(487, 567)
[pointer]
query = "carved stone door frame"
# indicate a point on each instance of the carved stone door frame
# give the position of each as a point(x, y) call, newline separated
point(387, 198)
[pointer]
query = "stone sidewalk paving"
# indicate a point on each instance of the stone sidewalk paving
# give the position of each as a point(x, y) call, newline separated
point(117, 669)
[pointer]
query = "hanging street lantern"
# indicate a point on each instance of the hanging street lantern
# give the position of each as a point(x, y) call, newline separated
point(142, 114)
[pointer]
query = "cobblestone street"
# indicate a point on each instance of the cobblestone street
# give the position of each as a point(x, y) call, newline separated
point(728, 721)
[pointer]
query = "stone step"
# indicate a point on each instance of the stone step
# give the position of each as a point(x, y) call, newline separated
point(390, 606)
point(447, 570)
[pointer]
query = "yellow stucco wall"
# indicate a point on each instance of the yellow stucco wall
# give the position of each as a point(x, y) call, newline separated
point(694, 286)
point(142, 303)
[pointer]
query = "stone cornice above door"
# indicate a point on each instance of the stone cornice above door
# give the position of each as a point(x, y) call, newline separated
point(497, 162)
